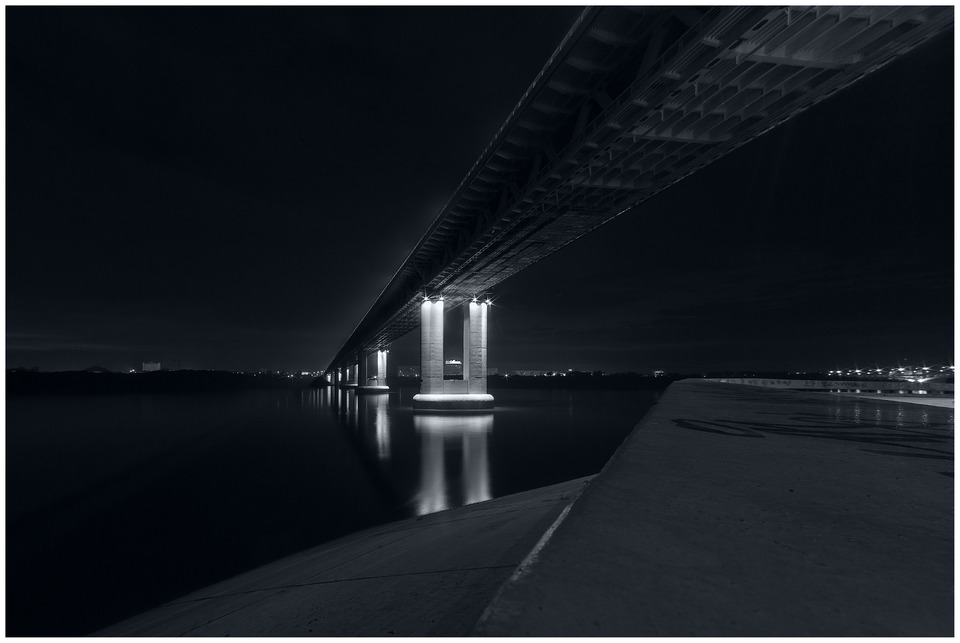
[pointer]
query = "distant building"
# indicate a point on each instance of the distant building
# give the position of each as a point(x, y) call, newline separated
point(493, 371)
point(453, 369)
point(150, 367)
point(408, 371)
point(658, 373)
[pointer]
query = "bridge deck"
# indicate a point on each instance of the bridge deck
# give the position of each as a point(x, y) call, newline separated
point(633, 100)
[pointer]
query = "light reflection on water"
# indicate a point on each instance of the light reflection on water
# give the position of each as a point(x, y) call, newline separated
point(469, 432)
point(435, 460)
point(903, 416)
point(372, 412)
point(440, 435)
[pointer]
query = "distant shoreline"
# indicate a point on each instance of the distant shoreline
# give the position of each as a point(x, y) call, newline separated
point(27, 382)
point(93, 383)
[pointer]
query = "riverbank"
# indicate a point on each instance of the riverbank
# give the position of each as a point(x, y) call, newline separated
point(426, 576)
point(729, 510)
point(26, 382)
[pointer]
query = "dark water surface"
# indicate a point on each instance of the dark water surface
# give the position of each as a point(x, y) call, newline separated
point(117, 503)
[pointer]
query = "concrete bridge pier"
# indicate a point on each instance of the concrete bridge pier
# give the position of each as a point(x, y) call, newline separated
point(382, 366)
point(475, 347)
point(437, 394)
point(377, 382)
point(351, 377)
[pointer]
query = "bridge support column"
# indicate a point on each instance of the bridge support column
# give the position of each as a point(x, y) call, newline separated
point(432, 394)
point(382, 367)
point(350, 380)
point(475, 347)
point(431, 347)
point(378, 385)
point(362, 368)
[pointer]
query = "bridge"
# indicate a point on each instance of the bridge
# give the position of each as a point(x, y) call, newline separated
point(633, 100)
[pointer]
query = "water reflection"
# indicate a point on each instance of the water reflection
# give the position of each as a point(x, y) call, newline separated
point(372, 412)
point(438, 432)
point(433, 489)
point(347, 407)
point(903, 416)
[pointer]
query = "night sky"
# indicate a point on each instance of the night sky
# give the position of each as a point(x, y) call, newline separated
point(231, 188)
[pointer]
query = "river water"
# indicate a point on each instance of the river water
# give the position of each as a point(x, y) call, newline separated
point(117, 503)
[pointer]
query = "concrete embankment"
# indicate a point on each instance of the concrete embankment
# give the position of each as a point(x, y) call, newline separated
point(420, 577)
point(735, 510)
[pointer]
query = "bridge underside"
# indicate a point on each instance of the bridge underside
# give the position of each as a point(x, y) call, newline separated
point(632, 101)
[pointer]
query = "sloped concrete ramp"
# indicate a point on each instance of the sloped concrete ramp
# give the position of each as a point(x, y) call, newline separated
point(420, 577)
point(739, 511)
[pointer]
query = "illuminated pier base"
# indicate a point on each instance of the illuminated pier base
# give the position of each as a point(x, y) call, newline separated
point(377, 382)
point(470, 394)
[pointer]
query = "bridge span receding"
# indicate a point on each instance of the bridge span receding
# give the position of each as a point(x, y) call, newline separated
point(633, 100)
